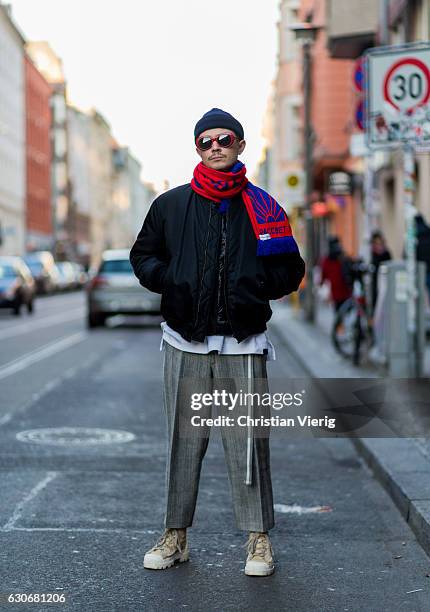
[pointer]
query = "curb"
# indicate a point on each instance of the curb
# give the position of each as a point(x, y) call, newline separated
point(397, 463)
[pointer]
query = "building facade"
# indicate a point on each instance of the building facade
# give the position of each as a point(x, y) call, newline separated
point(332, 119)
point(79, 155)
point(39, 233)
point(121, 233)
point(132, 197)
point(50, 65)
point(354, 27)
point(100, 186)
point(12, 137)
point(285, 129)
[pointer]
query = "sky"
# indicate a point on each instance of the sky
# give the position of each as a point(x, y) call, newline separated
point(152, 68)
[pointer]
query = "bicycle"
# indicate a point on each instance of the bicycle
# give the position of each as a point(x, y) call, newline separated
point(352, 328)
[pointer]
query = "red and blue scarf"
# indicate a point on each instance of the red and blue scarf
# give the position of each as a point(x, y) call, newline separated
point(269, 220)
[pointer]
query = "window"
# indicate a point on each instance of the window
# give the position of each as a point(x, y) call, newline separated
point(60, 142)
point(291, 132)
point(289, 44)
point(116, 265)
point(59, 105)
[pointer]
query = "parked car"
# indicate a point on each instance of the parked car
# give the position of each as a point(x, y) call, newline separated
point(81, 277)
point(114, 289)
point(42, 267)
point(66, 276)
point(17, 285)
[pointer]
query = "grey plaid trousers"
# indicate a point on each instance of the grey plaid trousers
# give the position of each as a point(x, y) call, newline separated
point(252, 503)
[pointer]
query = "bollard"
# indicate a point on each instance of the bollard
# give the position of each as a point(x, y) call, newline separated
point(404, 352)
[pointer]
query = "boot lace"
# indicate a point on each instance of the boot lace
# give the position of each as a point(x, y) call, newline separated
point(259, 545)
point(169, 537)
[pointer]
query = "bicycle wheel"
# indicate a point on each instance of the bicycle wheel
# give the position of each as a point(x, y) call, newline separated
point(344, 329)
point(358, 337)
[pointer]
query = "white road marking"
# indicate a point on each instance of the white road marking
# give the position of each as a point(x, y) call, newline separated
point(51, 384)
point(27, 498)
point(74, 436)
point(5, 418)
point(41, 353)
point(296, 509)
point(29, 326)
point(84, 529)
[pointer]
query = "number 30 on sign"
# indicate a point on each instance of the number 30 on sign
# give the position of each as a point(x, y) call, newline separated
point(398, 95)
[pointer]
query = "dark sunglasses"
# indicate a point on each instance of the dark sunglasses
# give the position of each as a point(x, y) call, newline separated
point(204, 143)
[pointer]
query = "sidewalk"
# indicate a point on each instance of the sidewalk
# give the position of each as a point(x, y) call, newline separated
point(402, 465)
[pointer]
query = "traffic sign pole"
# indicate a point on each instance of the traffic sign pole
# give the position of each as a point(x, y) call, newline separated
point(398, 116)
point(409, 209)
point(368, 207)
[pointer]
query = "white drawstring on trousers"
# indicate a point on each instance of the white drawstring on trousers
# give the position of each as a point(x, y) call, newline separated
point(249, 446)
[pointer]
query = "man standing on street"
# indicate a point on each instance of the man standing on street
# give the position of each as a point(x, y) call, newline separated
point(217, 250)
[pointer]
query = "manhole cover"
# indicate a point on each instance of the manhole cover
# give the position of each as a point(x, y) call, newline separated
point(74, 436)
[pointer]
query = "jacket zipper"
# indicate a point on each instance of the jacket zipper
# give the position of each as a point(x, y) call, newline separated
point(225, 272)
point(203, 271)
point(219, 276)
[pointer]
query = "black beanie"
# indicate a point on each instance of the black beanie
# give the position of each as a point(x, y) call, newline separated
point(217, 118)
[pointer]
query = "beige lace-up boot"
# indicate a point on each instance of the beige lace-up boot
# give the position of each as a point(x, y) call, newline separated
point(172, 547)
point(260, 555)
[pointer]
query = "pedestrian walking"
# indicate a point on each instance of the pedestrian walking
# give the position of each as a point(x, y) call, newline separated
point(217, 249)
point(337, 269)
point(379, 253)
point(423, 246)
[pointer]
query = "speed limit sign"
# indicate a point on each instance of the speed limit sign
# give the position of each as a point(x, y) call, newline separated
point(398, 95)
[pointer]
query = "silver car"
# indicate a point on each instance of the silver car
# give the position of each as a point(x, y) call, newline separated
point(114, 289)
point(66, 275)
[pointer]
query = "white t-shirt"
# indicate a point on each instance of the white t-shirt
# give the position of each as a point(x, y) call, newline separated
point(224, 345)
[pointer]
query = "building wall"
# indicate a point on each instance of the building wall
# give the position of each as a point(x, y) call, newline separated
point(148, 195)
point(333, 108)
point(12, 138)
point(332, 99)
point(60, 167)
point(286, 107)
point(50, 65)
point(351, 17)
point(132, 198)
point(120, 228)
point(420, 31)
point(408, 22)
point(79, 142)
point(38, 155)
point(101, 175)
point(265, 171)
point(138, 198)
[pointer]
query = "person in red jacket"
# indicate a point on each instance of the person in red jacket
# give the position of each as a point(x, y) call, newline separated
point(335, 269)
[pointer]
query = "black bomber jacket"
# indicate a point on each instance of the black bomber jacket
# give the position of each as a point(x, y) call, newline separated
point(177, 251)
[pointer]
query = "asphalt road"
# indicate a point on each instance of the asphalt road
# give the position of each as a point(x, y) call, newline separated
point(76, 519)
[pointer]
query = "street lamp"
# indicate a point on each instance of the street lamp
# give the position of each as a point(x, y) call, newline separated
point(305, 33)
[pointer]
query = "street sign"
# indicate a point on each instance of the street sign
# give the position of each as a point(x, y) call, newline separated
point(359, 115)
point(359, 74)
point(398, 96)
point(339, 183)
point(357, 145)
point(292, 180)
point(294, 188)
point(398, 114)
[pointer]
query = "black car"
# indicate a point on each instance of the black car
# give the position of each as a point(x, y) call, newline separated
point(17, 286)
